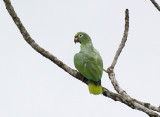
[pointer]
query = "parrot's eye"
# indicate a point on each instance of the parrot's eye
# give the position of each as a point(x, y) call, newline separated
point(80, 35)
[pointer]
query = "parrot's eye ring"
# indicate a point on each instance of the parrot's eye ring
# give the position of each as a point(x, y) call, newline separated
point(80, 35)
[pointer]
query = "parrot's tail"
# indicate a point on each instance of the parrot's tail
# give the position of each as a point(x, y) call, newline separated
point(95, 89)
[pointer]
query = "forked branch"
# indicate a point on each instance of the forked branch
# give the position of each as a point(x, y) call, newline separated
point(111, 73)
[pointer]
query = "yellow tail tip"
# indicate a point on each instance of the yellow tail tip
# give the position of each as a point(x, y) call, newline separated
point(95, 89)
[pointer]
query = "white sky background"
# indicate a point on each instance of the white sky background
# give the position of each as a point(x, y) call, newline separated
point(32, 86)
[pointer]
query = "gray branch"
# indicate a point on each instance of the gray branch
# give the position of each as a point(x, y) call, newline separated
point(155, 4)
point(110, 70)
point(117, 97)
point(111, 73)
point(124, 39)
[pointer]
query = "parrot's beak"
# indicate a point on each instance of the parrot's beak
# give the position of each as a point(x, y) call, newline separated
point(76, 40)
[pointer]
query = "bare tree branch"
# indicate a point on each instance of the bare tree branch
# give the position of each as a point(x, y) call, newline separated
point(117, 97)
point(155, 4)
point(111, 73)
point(128, 101)
point(119, 90)
point(110, 70)
point(124, 39)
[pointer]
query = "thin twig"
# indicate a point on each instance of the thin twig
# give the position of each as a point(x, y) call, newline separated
point(74, 73)
point(155, 4)
point(110, 70)
point(124, 39)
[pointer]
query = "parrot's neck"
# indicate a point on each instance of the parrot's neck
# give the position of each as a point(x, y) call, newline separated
point(87, 47)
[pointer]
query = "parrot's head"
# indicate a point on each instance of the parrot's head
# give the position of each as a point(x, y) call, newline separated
point(82, 38)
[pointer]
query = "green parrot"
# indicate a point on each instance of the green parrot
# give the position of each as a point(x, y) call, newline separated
point(89, 63)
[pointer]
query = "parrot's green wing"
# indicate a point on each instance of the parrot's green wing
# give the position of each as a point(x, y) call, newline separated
point(89, 65)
